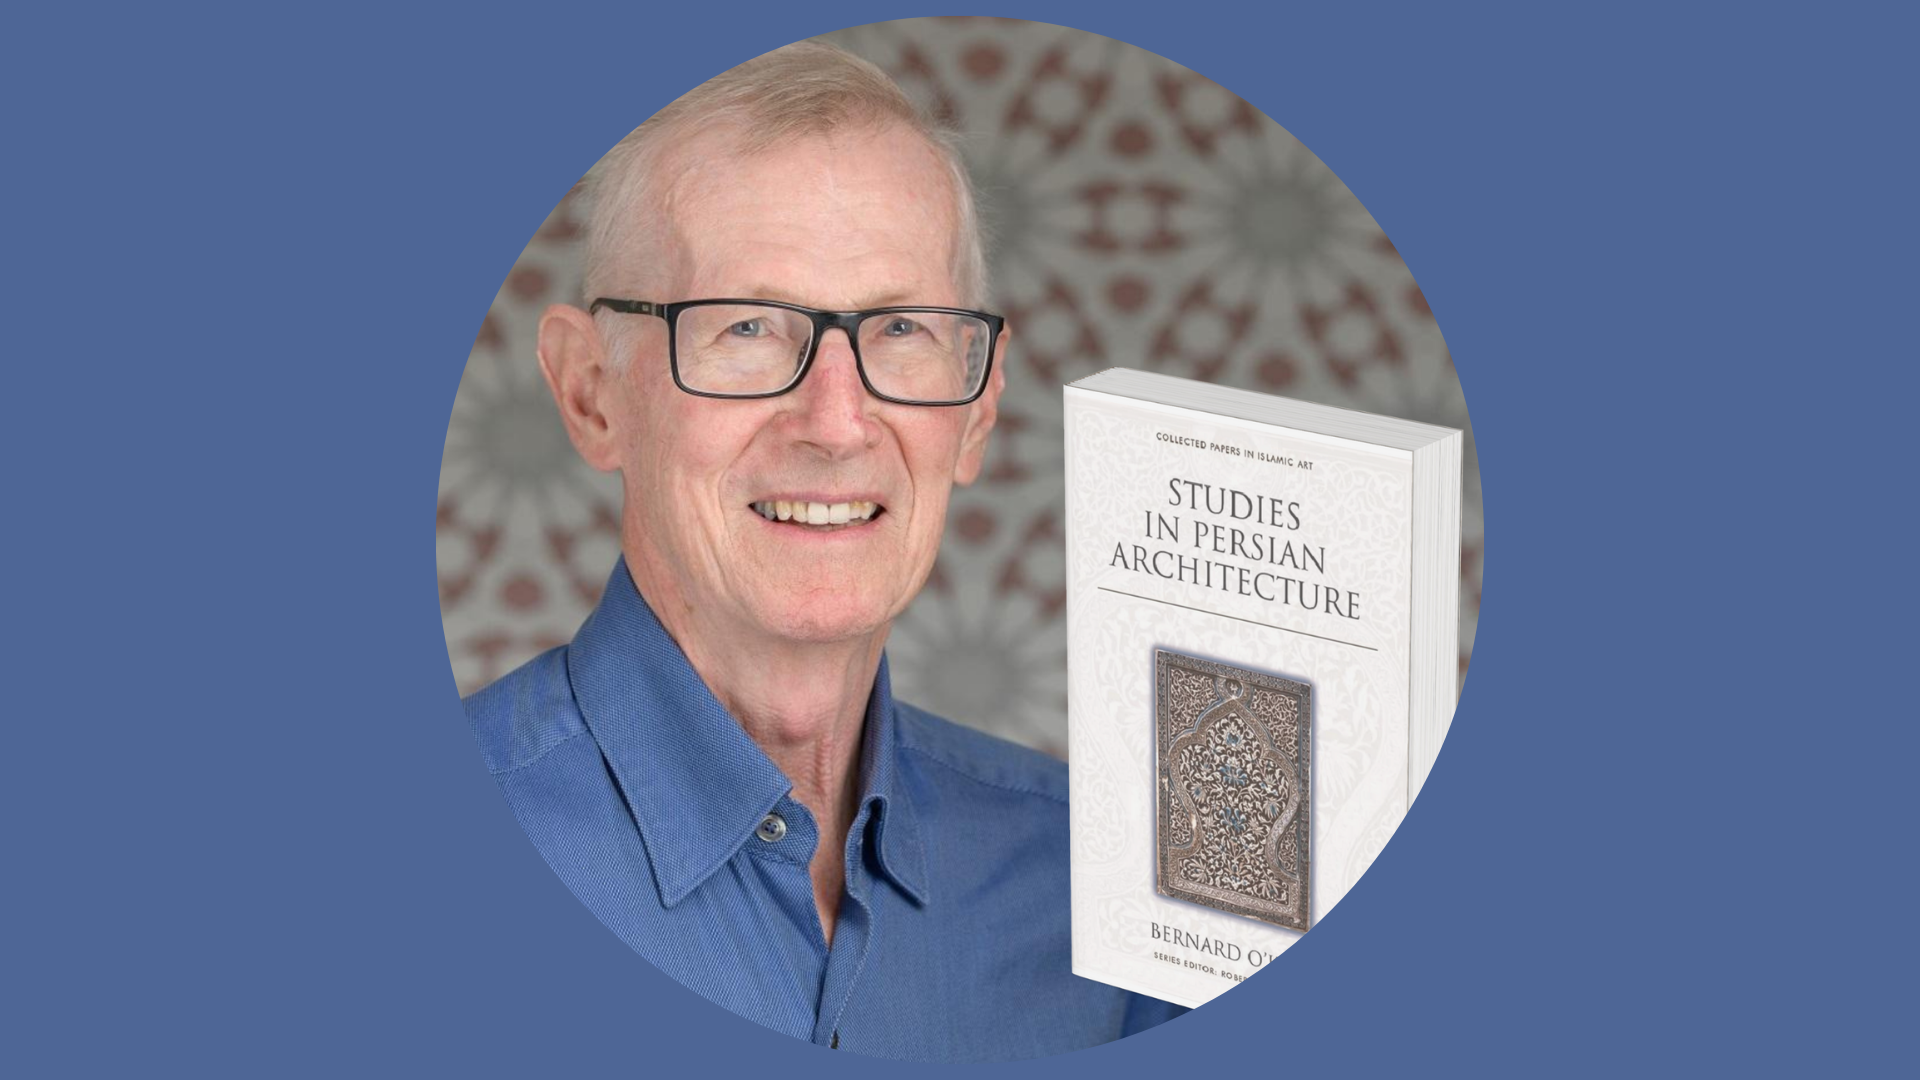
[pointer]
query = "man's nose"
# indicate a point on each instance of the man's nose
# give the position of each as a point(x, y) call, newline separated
point(834, 410)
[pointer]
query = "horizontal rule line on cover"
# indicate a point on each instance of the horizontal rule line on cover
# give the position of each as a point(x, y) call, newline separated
point(1237, 618)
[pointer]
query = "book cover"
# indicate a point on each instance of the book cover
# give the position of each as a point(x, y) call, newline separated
point(1262, 596)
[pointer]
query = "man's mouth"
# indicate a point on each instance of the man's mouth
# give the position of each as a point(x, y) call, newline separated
point(819, 515)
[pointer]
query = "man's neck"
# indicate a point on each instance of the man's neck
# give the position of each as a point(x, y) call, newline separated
point(804, 704)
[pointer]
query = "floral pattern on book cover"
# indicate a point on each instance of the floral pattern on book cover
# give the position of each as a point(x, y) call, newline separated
point(1233, 785)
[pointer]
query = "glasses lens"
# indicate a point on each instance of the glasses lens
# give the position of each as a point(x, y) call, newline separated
point(740, 348)
point(925, 356)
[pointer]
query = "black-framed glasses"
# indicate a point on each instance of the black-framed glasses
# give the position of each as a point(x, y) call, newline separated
point(763, 348)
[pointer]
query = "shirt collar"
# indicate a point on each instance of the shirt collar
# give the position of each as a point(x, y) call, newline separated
point(901, 851)
point(696, 784)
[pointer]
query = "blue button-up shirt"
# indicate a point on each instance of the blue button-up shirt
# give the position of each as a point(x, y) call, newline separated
point(651, 802)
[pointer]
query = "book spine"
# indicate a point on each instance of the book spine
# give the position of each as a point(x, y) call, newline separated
point(1435, 613)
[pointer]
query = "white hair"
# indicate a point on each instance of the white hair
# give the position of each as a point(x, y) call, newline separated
point(807, 88)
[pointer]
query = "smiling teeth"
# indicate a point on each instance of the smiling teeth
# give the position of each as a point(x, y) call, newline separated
point(814, 513)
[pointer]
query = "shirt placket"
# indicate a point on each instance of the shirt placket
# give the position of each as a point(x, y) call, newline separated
point(783, 844)
point(852, 939)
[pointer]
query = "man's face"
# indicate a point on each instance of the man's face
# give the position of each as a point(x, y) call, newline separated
point(860, 219)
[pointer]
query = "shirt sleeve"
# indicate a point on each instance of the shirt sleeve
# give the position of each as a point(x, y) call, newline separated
point(1144, 1012)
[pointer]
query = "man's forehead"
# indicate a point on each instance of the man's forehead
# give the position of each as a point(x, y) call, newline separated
point(819, 169)
point(888, 296)
point(872, 206)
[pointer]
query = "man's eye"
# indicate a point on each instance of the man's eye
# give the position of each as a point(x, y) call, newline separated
point(899, 326)
point(748, 328)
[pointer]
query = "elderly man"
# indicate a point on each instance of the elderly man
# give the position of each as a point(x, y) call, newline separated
point(779, 354)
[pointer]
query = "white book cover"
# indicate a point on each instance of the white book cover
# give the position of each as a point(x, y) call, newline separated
point(1261, 609)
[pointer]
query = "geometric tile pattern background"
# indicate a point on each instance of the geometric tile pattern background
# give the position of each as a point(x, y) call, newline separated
point(1138, 216)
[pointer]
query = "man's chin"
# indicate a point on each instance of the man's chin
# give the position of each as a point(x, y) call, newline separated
point(817, 626)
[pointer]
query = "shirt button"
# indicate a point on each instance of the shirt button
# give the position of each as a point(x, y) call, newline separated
point(773, 828)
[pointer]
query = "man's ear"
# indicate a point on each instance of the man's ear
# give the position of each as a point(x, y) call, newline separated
point(980, 417)
point(577, 369)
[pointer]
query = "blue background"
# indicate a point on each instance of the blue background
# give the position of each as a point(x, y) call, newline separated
point(1669, 248)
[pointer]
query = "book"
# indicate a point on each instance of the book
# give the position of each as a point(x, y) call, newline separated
point(1262, 643)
